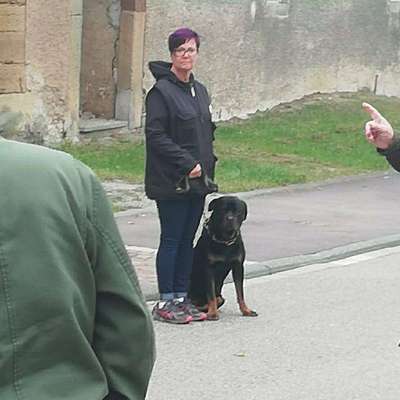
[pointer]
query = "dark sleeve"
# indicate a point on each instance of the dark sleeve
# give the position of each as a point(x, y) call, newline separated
point(158, 140)
point(123, 337)
point(392, 153)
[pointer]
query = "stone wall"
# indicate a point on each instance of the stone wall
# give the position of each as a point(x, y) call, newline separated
point(12, 46)
point(37, 104)
point(255, 54)
point(12, 58)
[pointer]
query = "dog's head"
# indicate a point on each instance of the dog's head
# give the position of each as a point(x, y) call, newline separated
point(228, 213)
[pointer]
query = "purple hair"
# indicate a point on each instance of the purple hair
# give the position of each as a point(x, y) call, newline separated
point(180, 36)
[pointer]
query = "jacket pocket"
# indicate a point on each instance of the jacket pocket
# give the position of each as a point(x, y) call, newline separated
point(208, 127)
point(186, 119)
point(186, 124)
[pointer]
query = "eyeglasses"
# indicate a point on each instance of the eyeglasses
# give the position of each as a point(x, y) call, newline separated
point(181, 51)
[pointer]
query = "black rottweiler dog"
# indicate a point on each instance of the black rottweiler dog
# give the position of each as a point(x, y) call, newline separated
point(219, 250)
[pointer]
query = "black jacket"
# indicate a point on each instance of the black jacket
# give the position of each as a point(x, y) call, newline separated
point(392, 153)
point(179, 132)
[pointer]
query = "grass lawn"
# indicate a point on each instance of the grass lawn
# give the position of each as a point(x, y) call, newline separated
point(316, 138)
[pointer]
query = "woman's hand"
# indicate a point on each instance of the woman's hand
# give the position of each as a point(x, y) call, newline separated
point(195, 172)
point(378, 131)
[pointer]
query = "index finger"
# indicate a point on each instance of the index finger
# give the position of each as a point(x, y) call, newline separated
point(373, 112)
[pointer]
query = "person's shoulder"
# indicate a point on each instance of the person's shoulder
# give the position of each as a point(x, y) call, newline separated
point(153, 91)
point(155, 97)
point(49, 158)
point(156, 90)
point(199, 85)
point(163, 83)
point(28, 151)
point(84, 170)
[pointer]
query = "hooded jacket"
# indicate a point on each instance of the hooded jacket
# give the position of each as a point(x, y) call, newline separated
point(179, 132)
point(73, 322)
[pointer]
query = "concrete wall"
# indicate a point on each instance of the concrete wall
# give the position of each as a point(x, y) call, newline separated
point(42, 107)
point(258, 53)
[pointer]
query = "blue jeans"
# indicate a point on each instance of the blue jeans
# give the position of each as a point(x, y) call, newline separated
point(179, 220)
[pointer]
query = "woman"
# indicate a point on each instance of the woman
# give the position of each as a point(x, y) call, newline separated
point(179, 153)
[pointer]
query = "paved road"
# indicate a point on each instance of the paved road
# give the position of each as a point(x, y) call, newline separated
point(325, 332)
point(292, 226)
point(300, 219)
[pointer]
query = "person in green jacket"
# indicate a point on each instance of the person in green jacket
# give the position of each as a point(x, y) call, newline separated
point(73, 321)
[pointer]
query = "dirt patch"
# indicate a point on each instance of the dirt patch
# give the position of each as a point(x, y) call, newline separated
point(125, 196)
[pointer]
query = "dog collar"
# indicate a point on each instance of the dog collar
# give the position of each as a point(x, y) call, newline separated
point(229, 242)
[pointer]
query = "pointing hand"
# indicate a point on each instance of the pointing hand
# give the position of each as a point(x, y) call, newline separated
point(378, 131)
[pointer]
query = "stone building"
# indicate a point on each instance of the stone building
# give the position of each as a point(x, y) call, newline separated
point(63, 60)
point(80, 65)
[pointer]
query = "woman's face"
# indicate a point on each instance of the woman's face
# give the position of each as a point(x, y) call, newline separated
point(184, 57)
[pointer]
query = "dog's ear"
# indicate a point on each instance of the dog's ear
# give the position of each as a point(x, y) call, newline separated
point(244, 209)
point(212, 204)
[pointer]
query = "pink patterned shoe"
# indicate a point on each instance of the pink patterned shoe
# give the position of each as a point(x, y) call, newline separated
point(188, 308)
point(171, 312)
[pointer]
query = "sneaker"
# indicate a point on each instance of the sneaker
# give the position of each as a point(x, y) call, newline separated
point(170, 312)
point(188, 308)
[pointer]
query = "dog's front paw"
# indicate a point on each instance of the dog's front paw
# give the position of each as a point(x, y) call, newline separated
point(249, 313)
point(212, 317)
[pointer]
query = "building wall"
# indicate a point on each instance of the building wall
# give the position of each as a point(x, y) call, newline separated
point(255, 54)
point(12, 46)
point(35, 105)
point(99, 56)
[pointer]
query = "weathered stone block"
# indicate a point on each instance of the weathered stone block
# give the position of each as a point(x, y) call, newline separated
point(12, 47)
point(12, 18)
point(125, 50)
point(133, 5)
point(130, 74)
point(19, 2)
point(12, 78)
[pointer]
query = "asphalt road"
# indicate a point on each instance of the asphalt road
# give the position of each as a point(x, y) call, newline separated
point(324, 332)
point(299, 219)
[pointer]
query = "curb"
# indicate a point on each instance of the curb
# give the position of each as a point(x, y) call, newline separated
point(264, 268)
point(254, 270)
